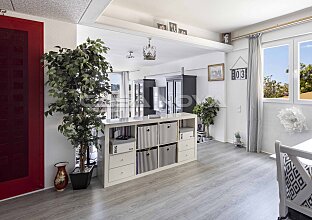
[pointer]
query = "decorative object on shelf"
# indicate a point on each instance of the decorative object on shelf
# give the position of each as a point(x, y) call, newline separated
point(130, 55)
point(293, 120)
point(161, 26)
point(76, 101)
point(61, 178)
point(149, 52)
point(3, 11)
point(226, 38)
point(182, 31)
point(207, 111)
point(216, 72)
point(238, 142)
point(241, 72)
point(173, 27)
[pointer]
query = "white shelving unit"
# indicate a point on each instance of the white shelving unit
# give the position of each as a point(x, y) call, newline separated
point(117, 159)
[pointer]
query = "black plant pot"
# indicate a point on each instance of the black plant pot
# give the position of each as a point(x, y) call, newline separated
point(81, 180)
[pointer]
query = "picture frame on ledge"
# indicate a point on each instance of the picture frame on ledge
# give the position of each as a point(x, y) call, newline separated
point(182, 31)
point(216, 72)
point(173, 27)
point(226, 38)
point(162, 26)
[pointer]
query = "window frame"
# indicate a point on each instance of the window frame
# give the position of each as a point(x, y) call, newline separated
point(297, 41)
point(280, 43)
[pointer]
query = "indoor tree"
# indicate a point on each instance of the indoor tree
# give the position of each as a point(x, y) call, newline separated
point(207, 111)
point(78, 82)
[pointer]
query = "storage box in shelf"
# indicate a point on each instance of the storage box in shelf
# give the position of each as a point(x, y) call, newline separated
point(121, 146)
point(168, 133)
point(186, 133)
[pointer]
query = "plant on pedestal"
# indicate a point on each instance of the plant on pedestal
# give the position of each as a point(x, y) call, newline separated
point(207, 111)
point(78, 82)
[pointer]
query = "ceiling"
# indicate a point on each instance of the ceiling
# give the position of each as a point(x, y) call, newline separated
point(66, 10)
point(121, 43)
point(217, 16)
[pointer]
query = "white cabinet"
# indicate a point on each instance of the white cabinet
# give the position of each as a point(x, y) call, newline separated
point(168, 133)
point(121, 172)
point(186, 155)
point(186, 144)
point(119, 160)
point(153, 145)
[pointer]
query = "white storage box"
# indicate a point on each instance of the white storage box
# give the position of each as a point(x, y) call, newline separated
point(147, 136)
point(186, 133)
point(168, 133)
point(121, 146)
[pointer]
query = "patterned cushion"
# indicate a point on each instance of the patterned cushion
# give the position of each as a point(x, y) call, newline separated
point(294, 181)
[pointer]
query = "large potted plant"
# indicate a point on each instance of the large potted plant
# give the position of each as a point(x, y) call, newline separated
point(207, 111)
point(78, 82)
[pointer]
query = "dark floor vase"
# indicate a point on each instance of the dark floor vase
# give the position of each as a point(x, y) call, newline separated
point(81, 180)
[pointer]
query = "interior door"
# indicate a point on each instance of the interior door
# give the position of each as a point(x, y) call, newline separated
point(21, 106)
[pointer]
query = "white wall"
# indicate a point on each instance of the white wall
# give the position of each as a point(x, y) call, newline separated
point(57, 148)
point(204, 88)
point(237, 90)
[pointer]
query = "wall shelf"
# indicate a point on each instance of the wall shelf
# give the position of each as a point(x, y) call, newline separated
point(148, 31)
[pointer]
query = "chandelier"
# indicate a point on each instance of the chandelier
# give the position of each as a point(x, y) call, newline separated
point(149, 52)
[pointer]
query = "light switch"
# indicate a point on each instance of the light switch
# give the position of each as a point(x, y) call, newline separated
point(239, 109)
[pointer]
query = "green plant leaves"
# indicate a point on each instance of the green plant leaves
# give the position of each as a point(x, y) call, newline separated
point(78, 81)
point(207, 110)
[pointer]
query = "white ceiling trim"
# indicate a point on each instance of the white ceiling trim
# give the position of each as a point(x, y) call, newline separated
point(94, 10)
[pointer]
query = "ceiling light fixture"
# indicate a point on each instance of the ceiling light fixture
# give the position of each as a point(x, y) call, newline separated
point(130, 56)
point(149, 52)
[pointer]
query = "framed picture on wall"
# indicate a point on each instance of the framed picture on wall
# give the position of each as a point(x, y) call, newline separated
point(216, 72)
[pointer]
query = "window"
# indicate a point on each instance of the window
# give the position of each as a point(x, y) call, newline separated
point(277, 83)
point(305, 70)
point(287, 71)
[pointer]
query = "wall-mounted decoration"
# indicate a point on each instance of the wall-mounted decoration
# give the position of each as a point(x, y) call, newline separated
point(173, 27)
point(182, 31)
point(293, 120)
point(162, 26)
point(226, 38)
point(216, 72)
point(239, 73)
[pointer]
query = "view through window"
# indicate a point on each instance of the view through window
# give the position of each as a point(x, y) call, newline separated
point(276, 72)
point(305, 62)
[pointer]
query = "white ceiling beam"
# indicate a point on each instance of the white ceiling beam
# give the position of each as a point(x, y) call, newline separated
point(147, 31)
point(94, 10)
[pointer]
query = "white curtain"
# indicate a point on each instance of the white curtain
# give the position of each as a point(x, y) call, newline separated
point(254, 95)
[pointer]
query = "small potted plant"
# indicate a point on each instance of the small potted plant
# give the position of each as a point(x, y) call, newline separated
point(237, 137)
point(78, 82)
point(207, 111)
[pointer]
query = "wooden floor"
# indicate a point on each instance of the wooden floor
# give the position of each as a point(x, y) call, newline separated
point(225, 183)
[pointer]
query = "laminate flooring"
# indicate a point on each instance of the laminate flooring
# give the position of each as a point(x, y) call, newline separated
point(226, 183)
